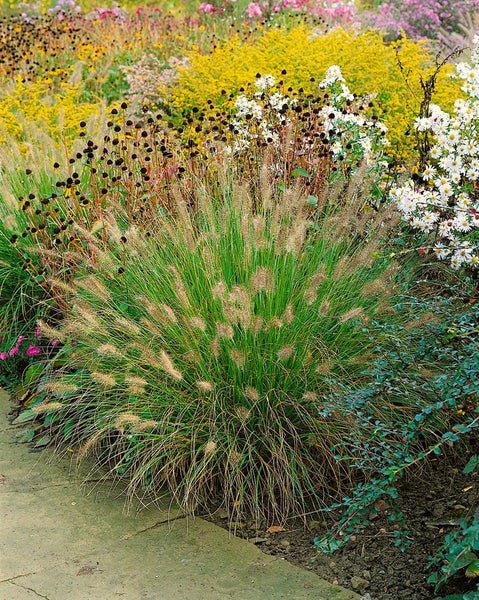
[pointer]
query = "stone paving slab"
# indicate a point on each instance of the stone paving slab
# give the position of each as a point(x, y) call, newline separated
point(58, 543)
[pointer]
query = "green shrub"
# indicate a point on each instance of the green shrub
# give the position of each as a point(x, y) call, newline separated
point(434, 369)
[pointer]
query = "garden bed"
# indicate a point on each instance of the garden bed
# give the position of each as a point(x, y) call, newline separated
point(433, 500)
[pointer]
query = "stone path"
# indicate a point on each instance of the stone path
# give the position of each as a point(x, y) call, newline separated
point(59, 542)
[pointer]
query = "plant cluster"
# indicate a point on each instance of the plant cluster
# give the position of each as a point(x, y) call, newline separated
point(420, 19)
point(442, 201)
point(437, 383)
point(331, 10)
point(366, 61)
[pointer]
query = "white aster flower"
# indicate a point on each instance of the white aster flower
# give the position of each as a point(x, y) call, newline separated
point(333, 74)
point(441, 251)
point(263, 83)
point(461, 223)
point(429, 173)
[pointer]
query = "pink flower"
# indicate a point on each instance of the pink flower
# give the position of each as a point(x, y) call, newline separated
point(3, 356)
point(33, 350)
point(294, 4)
point(54, 343)
point(254, 10)
point(13, 351)
point(38, 332)
point(207, 8)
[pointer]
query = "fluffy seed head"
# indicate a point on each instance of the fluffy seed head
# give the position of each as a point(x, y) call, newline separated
point(288, 315)
point(125, 419)
point(239, 295)
point(57, 387)
point(210, 447)
point(107, 350)
point(169, 367)
point(50, 332)
point(103, 379)
point(87, 314)
point(262, 279)
point(285, 353)
point(134, 380)
point(127, 325)
point(95, 286)
point(179, 286)
point(224, 330)
point(198, 323)
point(275, 322)
point(238, 358)
point(324, 307)
point(351, 314)
point(324, 368)
point(205, 386)
point(219, 290)
point(168, 312)
point(251, 393)
point(46, 407)
point(374, 288)
point(310, 295)
point(144, 425)
point(215, 346)
point(257, 324)
point(342, 268)
point(242, 413)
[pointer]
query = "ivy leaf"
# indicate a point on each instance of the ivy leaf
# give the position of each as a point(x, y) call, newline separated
point(472, 463)
point(473, 569)
point(463, 560)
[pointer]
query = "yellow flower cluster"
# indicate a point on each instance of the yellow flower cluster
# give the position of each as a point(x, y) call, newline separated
point(58, 114)
point(369, 65)
point(90, 52)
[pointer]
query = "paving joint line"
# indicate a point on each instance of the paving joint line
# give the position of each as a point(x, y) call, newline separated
point(10, 579)
point(154, 526)
point(30, 590)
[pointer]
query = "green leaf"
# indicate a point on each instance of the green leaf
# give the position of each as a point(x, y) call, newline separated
point(51, 418)
point(300, 172)
point(26, 435)
point(463, 560)
point(472, 463)
point(68, 428)
point(32, 374)
point(312, 200)
point(473, 569)
point(43, 441)
point(24, 417)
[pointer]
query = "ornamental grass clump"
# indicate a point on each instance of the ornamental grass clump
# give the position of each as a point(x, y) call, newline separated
point(198, 352)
